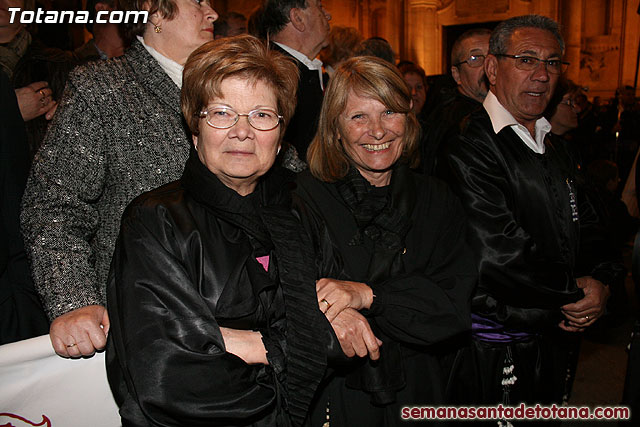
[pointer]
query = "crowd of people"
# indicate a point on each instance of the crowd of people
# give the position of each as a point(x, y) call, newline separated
point(261, 237)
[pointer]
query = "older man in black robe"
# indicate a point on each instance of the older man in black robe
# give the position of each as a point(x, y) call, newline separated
point(467, 69)
point(518, 186)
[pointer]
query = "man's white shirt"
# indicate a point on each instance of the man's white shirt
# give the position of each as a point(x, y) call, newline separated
point(316, 64)
point(501, 118)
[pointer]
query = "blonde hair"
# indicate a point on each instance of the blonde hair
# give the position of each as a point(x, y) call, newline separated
point(369, 77)
point(241, 56)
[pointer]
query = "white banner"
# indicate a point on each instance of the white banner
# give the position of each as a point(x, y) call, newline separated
point(40, 388)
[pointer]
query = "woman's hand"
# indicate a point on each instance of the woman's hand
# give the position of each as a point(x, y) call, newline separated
point(334, 296)
point(355, 335)
point(80, 332)
point(35, 100)
point(247, 345)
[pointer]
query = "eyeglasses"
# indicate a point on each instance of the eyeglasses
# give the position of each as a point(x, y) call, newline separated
point(474, 61)
point(530, 63)
point(221, 117)
point(568, 102)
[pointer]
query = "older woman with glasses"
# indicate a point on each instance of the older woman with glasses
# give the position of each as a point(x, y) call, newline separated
point(214, 316)
point(117, 132)
point(390, 249)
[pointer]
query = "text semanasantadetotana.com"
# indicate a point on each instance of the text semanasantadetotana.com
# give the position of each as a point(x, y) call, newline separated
point(522, 412)
point(77, 17)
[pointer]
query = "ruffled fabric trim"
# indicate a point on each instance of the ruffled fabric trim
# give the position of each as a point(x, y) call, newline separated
point(306, 346)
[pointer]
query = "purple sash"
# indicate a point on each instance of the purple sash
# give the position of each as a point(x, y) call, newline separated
point(489, 331)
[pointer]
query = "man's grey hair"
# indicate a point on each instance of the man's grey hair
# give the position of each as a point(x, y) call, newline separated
point(275, 14)
point(501, 36)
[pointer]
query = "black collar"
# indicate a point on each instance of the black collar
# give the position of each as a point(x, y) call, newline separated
point(273, 190)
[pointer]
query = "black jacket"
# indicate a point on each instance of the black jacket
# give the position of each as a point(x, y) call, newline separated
point(186, 265)
point(304, 123)
point(442, 126)
point(21, 314)
point(414, 311)
point(526, 220)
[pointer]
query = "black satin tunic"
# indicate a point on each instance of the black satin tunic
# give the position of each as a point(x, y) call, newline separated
point(525, 218)
point(414, 311)
point(182, 269)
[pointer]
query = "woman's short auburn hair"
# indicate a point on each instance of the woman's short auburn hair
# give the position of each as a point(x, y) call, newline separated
point(244, 57)
point(369, 77)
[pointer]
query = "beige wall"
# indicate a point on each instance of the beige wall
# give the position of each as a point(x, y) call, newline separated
point(601, 35)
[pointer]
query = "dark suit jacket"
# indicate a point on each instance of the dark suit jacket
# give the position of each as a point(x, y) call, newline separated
point(21, 314)
point(304, 122)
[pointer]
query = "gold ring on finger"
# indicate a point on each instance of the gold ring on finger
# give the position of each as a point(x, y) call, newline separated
point(326, 302)
point(71, 345)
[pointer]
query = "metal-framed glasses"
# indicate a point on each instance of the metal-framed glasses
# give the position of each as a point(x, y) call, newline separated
point(473, 61)
point(530, 63)
point(221, 117)
point(568, 102)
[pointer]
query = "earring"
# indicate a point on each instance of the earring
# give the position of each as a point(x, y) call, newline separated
point(157, 28)
point(278, 152)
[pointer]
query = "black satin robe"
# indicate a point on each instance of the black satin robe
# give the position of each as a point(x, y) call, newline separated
point(183, 268)
point(530, 227)
point(441, 126)
point(416, 310)
point(526, 216)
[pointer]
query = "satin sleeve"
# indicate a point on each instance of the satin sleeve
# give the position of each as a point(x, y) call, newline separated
point(167, 341)
point(430, 305)
point(519, 285)
point(597, 257)
point(431, 302)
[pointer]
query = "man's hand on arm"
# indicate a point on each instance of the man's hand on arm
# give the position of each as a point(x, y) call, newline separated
point(80, 332)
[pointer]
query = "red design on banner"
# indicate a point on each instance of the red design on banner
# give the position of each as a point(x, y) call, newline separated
point(8, 420)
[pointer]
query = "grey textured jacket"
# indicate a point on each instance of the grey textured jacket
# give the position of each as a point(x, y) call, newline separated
point(117, 133)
